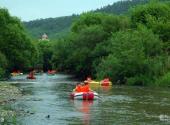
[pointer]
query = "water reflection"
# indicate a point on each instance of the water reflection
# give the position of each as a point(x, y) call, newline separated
point(106, 89)
point(101, 89)
point(84, 106)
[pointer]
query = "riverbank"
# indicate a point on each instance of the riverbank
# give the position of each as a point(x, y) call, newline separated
point(8, 94)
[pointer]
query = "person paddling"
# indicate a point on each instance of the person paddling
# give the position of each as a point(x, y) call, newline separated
point(78, 88)
point(31, 75)
point(83, 87)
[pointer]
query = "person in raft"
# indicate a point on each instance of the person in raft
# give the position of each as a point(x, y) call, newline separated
point(31, 74)
point(83, 87)
point(89, 79)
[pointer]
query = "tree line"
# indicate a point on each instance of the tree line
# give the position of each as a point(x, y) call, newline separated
point(16, 49)
point(60, 26)
point(131, 49)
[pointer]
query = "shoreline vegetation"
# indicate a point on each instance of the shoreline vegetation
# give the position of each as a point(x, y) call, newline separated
point(8, 94)
point(129, 49)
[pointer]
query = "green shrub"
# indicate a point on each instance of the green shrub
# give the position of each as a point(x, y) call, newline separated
point(3, 65)
point(141, 80)
point(164, 80)
point(134, 57)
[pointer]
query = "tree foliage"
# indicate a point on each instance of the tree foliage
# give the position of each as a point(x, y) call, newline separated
point(60, 26)
point(155, 16)
point(128, 51)
point(90, 30)
point(15, 46)
point(45, 53)
point(3, 65)
point(131, 56)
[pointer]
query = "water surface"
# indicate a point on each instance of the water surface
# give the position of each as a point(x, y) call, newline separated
point(46, 101)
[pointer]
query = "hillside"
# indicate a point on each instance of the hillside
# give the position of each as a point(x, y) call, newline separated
point(54, 27)
point(58, 27)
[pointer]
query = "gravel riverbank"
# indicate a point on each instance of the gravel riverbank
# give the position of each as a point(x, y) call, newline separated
point(8, 94)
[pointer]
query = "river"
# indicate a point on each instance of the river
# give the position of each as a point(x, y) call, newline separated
point(46, 101)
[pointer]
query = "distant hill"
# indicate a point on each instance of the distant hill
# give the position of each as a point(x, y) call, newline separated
point(53, 27)
point(121, 7)
point(58, 27)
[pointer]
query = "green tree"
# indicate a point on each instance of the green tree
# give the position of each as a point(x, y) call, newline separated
point(156, 16)
point(164, 80)
point(3, 65)
point(14, 43)
point(131, 58)
point(45, 53)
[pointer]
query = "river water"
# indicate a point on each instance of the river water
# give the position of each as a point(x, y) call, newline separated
point(46, 101)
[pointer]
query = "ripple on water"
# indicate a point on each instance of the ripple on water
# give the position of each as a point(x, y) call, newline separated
point(49, 95)
point(118, 98)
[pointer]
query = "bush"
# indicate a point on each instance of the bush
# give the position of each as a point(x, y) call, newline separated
point(3, 65)
point(154, 16)
point(164, 80)
point(139, 80)
point(109, 67)
point(133, 58)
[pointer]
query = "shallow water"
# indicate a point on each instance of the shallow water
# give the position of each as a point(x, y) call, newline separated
point(46, 102)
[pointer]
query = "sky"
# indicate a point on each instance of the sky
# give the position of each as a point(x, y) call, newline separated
point(28, 10)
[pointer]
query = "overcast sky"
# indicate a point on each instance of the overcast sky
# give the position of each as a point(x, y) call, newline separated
point(28, 10)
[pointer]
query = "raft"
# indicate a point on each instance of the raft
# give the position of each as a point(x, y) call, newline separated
point(94, 82)
point(31, 77)
point(84, 95)
point(51, 72)
point(16, 74)
point(105, 83)
point(101, 83)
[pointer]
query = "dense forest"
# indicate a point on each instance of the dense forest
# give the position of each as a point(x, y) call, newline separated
point(58, 27)
point(131, 49)
point(121, 7)
point(16, 49)
point(128, 49)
